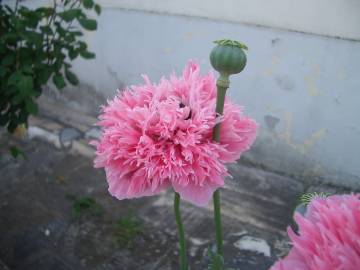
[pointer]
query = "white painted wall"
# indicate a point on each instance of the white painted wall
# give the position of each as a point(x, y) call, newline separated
point(336, 18)
point(308, 84)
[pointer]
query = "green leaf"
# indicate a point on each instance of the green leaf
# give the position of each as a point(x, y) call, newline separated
point(44, 75)
point(62, 31)
point(17, 99)
point(88, 3)
point(23, 116)
point(13, 123)
point(127, 228)
point(26, 84)
point(2, 71)
point(32, 18)
point(8, 60)
point(26, 55)
point(11, 90)
point(18, 24)
point(67, 65)
point(57, 66)
point(31, 106)
point(15, 152)
point(27, 69)
point(97, 9)
point(216, 261)
point(35, 38)
point(2, 48)
point(77, 33)
point(47, 11)
point(11, 37)
point(85, 206)
point(73, 53)
point(87, 55)
point(46, 30)
point(88, 24)
point(71, 77)
point(69, 14)
point(59, 81)
point(14, 78)
point(82, 46)
point(70, 38)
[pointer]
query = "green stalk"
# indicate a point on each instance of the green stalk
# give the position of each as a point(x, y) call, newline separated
point(222, 85)
point(218, 227)
point(227, 58)
point(182, 243)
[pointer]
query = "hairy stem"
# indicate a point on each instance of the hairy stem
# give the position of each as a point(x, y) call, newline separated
point(222, 85)
point(218, 227)
point(182, 244)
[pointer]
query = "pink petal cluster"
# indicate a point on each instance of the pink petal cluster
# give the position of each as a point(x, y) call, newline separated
point(328, 237)
point(159, 135)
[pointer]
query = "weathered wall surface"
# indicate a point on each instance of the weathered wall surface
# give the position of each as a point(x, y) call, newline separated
point(304, 89)
point(336, 18)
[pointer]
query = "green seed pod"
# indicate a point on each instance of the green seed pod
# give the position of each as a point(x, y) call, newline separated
point(228, 57)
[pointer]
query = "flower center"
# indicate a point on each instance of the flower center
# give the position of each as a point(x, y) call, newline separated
point(182, 105)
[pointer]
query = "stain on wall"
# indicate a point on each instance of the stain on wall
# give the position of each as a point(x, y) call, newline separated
point(285, 82)
point(311, 79)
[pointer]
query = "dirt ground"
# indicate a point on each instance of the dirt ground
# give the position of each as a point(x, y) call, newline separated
point(56, 212)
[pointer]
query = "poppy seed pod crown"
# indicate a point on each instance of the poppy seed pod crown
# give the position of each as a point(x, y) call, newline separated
point(228, 57)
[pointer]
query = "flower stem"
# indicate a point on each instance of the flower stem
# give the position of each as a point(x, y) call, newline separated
point(218, 227)
point(222, 85)
point(182, 244)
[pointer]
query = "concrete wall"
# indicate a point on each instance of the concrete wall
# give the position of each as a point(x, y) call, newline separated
point(338, 18)
point(303, 89)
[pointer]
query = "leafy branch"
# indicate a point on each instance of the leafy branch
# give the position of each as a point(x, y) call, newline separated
point(36, 46)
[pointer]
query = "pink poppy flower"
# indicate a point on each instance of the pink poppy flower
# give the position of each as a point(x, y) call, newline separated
point(328, 237)
point(160, 135)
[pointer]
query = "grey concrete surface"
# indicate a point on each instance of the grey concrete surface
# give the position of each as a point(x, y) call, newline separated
point(38, 228)
point(3, 266)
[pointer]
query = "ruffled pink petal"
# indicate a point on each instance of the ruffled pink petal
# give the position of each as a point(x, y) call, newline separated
point(157, 135)
point(198, 195)
point(328, 236)
point(131, 186)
